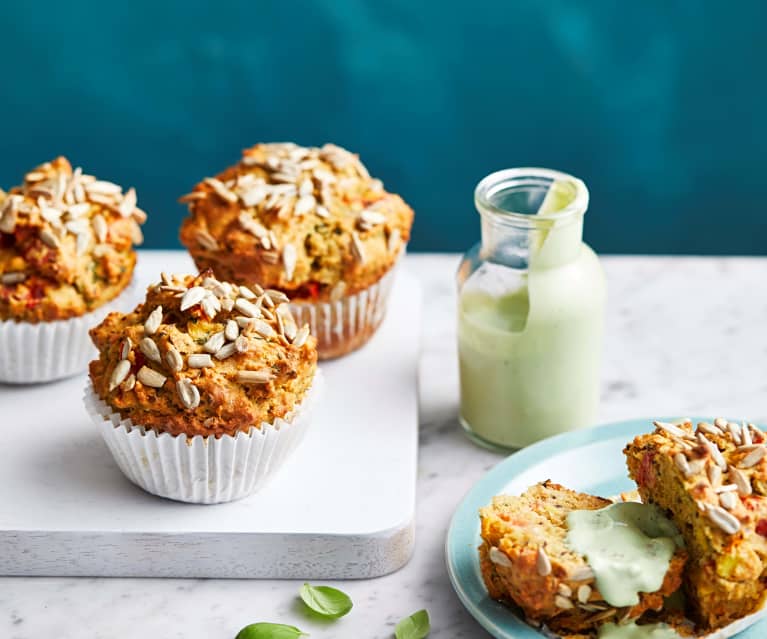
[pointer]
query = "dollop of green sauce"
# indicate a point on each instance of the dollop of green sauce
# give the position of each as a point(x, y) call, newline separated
point(632, 631)
point(628, 546)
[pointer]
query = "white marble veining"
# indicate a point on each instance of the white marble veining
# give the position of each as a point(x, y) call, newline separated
point(684, 336)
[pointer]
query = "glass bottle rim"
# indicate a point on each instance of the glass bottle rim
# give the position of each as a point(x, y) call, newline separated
point(491, 184)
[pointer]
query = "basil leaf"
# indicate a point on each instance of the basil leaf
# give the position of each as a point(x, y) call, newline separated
point(265, 630)
point(326, 601)
point(416, 626)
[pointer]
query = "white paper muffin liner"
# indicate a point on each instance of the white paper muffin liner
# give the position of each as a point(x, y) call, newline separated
point(347, 324)
point(202, 470)
point(46, 351)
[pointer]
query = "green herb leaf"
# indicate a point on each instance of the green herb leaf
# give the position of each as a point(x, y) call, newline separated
point(326, 601)
point(265, 630)
point(416, 626)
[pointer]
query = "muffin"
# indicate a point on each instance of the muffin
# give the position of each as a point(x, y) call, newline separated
point(309, 222)
point(66, 259)
point(711, 479)
point(525, 560)
point(204, 389)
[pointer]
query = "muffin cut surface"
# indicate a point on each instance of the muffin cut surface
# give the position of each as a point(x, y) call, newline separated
point(66, 243)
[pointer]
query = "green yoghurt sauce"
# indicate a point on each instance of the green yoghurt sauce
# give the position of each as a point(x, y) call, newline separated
point(632, 631)
point(628, 546)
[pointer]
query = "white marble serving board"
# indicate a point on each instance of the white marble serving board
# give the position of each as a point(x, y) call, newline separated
point(342, 507)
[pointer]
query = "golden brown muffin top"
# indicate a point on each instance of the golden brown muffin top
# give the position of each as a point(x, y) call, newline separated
point(66, 243)
point(203, 357)
point(308, 221)
point(722, 466)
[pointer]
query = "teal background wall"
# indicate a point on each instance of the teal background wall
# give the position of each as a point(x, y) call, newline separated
point(658, 105)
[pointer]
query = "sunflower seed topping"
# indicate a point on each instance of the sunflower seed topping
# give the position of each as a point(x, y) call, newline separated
point(697, 465)
point(358, 250)
point(394, 241)
point(681, 463)
point(153, 322)
point(741, 480)
point(263, 329)
point(542, 562)
point(241, 344)
point(188, 393)
point(288, 322)
point(670, 429)
point(173, 359)
point(584, 573)
point(728, 500)
point(753, 458)
point(563, 603)
point(232, 331)
point(745, 434)
point(734, 432)
point(192, 297)
point(48, 238)
point(289, 258)
point(584, 592)
point(199, 360)
point(148, 347)
point(206, 240)
point(129, 383)
point(709, 429)
point(255, 377)
point(721, 423)
point(251, 226)
point(226, 351)
point(150, 377)
point(221, 190)
point(726, 522)
point(715, 474)
point(304, 205)
point(125, 348)
point(499, 558)
point(727, 488)
point(564, 590)
point(322, 211)
point(713, 449)
point(13, 277)
point(214, 342)
point(247, 308)
point(302, 334)
point(119, 373)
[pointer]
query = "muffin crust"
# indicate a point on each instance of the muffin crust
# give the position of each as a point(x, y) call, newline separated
point(66, 243)
point(203, 357)
point(310, 222)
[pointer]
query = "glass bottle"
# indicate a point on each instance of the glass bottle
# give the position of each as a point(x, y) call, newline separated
point(531, 299)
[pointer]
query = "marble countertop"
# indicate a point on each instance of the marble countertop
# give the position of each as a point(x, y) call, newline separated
point(684, 336)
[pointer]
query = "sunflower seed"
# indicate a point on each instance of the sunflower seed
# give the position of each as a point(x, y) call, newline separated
point(747, 449)
point(199, 360)
point(245, 323)
point(153, 321)
point(270, 257)
point(206, 240)
point(221, 190)
point(119, 373)
point(263, 329)
point(358, 250)
point(584, 592)
point(193, 296)
point(728, 500)
point(734, 432)
point(214, 342)
point(227, 350)
point(722, 519)
point(669, 429)
point(753, 458)
point(288, 321)
point(394, 240)
point(499, 558)
point(247, 308)
point(741, 480)
point(372, 218)
point(148, 347)
point(232, 331)
point(681, 463)
point(709, 429)
point(100, 227)
point(253, 196)
point(255, 377)
point(139, 215)
point(715, 474)
point(563, 602)
point(50, 214)
point(302, 334)
point(128, 203)
point(251, 226)
point(592, 607)
point(210, 306)
point(727, 488)
point(241, 344)
point(227, 304)
point(713, 449)
point(584, 573)
point(173, 359)
point(304, 205)
point(721, 423)
point(275, 297)
point(125, 348)
point(48, 238)
point(14, 277)
point(188, 393)
point(745, 434)
point(82, 241)
point(35, 176)
point(697, 465)
point(129, 383)
point(102, 187)
point(542, 563)
point(289, 261)
point(9, 214)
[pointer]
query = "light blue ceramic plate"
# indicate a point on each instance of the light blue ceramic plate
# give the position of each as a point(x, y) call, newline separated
point(588, 460)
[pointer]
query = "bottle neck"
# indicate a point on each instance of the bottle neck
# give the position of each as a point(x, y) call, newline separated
point(546, 244)
point(531, 218)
